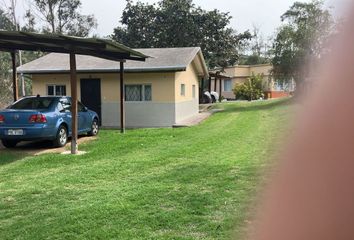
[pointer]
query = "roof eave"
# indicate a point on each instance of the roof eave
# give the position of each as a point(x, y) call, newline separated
point(127, 70)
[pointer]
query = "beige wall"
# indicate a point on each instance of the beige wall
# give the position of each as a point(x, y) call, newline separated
point(162, 84)
point(237, 71)
point(167, 107)
point(164, 87)
point(261, 69)
point(189, 78)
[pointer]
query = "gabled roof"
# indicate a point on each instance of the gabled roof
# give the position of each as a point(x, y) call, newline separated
point(160, 60)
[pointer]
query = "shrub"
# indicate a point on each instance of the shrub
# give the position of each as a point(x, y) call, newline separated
point(250, 90)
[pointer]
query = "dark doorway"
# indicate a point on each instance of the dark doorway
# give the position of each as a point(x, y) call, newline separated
point(91, 94)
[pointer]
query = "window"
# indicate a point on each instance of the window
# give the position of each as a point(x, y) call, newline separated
point(56, 90)
point(193, 91)
point(138, 93)
point(183, 89)
point(227, 85)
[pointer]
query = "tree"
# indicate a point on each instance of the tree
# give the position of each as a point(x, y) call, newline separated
point(5, 63)
point(301, 39)
point(250, 90)
point(179, 23)
point(61, 16)
point(257, 50)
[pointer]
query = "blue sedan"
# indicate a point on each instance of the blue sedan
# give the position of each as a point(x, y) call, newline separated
point(44, 118)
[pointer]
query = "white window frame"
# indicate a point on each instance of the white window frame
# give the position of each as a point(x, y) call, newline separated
point(194, 91)
point(230, 81)
point(183, 89)
point(142, 92)
point(54, 89)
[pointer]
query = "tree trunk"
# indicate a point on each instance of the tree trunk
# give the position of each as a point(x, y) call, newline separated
point(52, 17)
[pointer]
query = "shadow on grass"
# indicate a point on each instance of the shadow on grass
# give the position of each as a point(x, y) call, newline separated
point(21, 151)
point(7, 157)
point(259, 106)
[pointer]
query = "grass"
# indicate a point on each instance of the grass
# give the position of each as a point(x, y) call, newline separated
point(189, 183)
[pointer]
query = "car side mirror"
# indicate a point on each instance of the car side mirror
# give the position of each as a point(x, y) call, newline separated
point(85, 109)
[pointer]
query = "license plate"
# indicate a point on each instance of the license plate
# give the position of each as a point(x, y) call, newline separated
point(15, 132)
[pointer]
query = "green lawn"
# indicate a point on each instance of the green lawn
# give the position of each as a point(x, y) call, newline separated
point(187, 183)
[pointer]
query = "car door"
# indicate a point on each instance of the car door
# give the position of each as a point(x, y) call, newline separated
point(84, 121)
point(64, 107)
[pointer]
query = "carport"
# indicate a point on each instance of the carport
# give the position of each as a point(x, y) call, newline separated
point(217, 76)
point(13, 41)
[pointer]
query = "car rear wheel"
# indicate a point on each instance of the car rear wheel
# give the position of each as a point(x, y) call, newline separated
point(9, 143)
point(94, 128)
point(62, 137)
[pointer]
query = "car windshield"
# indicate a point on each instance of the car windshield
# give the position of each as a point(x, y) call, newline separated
point(32, 103)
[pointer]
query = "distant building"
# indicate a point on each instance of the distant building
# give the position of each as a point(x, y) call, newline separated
point(240, 73)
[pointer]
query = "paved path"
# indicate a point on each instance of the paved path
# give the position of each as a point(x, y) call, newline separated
point(195, 120)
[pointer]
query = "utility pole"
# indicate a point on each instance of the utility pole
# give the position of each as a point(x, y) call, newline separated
point(13, 8)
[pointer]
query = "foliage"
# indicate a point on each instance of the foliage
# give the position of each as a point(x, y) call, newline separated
point(253, 60)
point(180, 23)
point(6, 92)
point(250, 90)
point(5, 64)
point(5, 22)
point(60, 16)
point(257, 50)
point(301, 39)
point(147, 184)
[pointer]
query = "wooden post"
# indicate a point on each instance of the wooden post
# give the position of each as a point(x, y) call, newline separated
point(220, 89)
point(122, 98)
point(74, 120)
point(209, 83)
point(215, 82)
point(202, 90)
point(14, 77)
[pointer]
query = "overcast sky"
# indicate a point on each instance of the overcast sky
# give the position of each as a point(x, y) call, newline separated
point(263, 13)
point(246, 13)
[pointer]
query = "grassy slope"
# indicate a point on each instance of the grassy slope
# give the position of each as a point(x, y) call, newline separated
point(191, 183)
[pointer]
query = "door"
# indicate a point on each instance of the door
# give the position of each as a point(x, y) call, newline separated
point(91, 94)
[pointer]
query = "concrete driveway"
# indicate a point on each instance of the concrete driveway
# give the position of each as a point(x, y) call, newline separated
point(42, 147)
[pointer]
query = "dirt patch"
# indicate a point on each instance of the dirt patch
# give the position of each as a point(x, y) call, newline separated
point(42, 147)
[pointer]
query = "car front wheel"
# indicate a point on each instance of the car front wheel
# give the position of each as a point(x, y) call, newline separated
point(94, 128)
point(9, 143)
point(62, 137)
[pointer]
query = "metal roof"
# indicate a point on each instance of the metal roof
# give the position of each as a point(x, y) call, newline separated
point(161, 60)
point(103, 48)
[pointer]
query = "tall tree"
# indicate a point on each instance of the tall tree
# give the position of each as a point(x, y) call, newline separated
point(15, 22)
point(179, 23)
point(5, 63)
point(61, 16)
point(256, 51)
point(300, 40)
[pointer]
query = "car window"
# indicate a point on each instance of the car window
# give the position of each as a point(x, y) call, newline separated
point(32, 103)
point(60, 107)
point(80, 107)
point(65, 105)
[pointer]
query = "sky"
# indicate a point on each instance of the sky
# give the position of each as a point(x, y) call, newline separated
point(264, 14)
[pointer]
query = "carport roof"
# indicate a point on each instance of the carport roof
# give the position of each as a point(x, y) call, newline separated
point(103, 48)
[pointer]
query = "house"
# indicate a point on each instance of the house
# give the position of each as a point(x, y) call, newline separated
point(240, 73)
point(160, 92)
